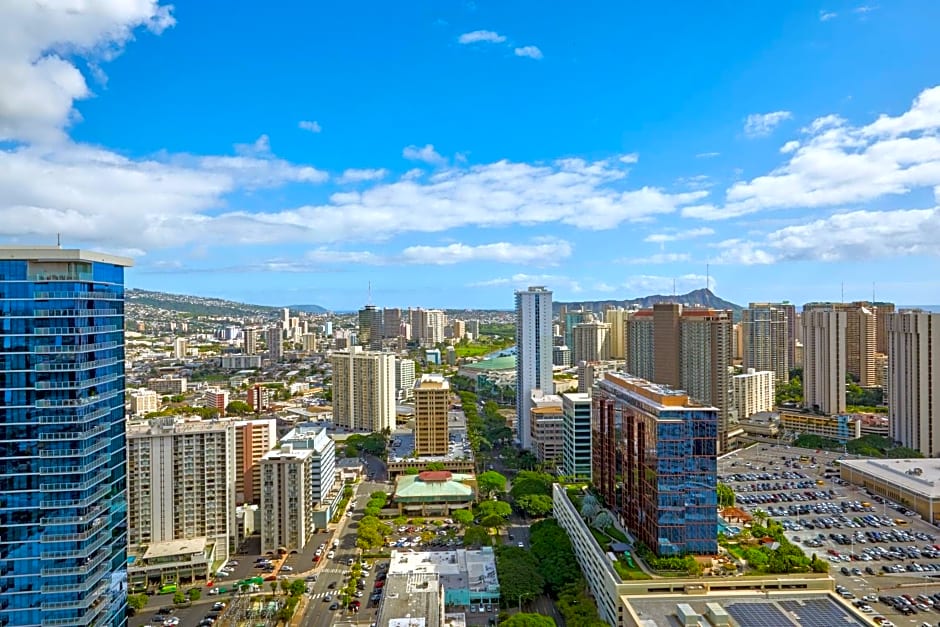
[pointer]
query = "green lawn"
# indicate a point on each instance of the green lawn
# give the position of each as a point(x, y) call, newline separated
point(616, 534)
point(601, 538)
point(628, 573)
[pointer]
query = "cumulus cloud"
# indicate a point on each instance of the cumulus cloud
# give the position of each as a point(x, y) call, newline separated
point(825, 16)
point(544, 253)
point(310, 125)
point(521, 280)
point(531, 52)
point(354, 175)
point(661, 238)
point(38, 41)
point(763, 124)
point(426, 154)
point(476, 36)
point(658, 258)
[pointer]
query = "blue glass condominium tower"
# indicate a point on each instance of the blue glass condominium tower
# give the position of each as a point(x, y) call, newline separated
point(63, 513)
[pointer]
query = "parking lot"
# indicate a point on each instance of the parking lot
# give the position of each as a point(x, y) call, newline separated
point(884, 558)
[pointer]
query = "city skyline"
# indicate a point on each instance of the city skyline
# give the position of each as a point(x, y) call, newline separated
point(452, 154)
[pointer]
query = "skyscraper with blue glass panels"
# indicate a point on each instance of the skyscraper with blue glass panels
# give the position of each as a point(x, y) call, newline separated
point(655, 462)
point(63, 514)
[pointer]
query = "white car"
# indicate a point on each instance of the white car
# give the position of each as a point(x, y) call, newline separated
point(330, 555)
point(287, 569)
point(171, 621)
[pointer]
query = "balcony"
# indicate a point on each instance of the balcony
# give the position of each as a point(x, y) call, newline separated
point(73, 520)
point(80, 621)
point(76, 366)
point(77, 486)
point(50, 419)
point(97, 561)
point(75, 313)
point(98, 445)
point(81, 586)
point(83, 348)
point(78, 402)
point(74, 470)
point(80, 553)
point(89, 330)
point(90, 598)
point(89, 295)
point(76, 385)
point(75, 435)
point(68, 537)
point(85, 502)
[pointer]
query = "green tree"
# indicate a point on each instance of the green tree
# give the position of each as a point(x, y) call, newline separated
point(491, 482)
point(475, 535)
point(577, 607)
point(238, 408)
point(179, 597)
point(519, 576)
point(297, 587)
point(535, 505)
point(531, 482)
point(194, 594)
point(528, 620)
point(500, 509)
point(462, 516)
point(726, 496)
point(411, 471)
point(273, 585)
point(551, 546)
point(435, 466)
point(137, 602)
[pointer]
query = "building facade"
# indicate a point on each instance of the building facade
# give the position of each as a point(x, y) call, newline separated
point(432, 404)
point(404, 379)
point(576, 435)
point(754, 392)
point(765, 338)
point(144, 401)
point(216, 398)
point(253, 440)
point(914, 380)
point(323, 472)
point(182, 482)
point(274, 339)
point(655, 461)
point(63, 514)
point(533, 354)
point(250, 340)
point(371, 329)
point(168, 385)
point(591, 341)
point(545, 423)
point(824, 366)
point(363, 390)
point(287, 503)
point(617, 319)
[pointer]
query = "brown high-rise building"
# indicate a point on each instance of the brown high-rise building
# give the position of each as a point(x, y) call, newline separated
point(767, 339)
point(432, 402)
point(253, 439)
point(860, 338)
point(685, 348)
point(881, 326)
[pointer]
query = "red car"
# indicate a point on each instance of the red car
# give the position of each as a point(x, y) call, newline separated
point(379, 584)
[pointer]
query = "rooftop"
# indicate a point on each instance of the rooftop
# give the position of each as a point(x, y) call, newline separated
point(919, 476)
point(462, 568)
point(416, 487)
point(411, 600)
point(660, 396)
point(171, 425)
point(804, 610)
point(507, 362)
point(54, 253)
point(287, 452)
point(432, 382)
point(172, 548)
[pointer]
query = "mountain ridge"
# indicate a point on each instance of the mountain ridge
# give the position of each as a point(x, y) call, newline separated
point(701, 297)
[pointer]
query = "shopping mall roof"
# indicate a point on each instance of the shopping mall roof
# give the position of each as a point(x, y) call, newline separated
point(431, 487)
point(918, 476)
point(173, 548)
point(507, 362)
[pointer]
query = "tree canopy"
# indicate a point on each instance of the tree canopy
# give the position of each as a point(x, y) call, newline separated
point(523, 619)
point(551, 546)
point(475, 535)
point(518, 572)
point(491, 482)
point(535, 505)
point(238, 408)
point(531, 482)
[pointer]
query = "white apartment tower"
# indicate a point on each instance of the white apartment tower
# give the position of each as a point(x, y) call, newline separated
point(250, 340)
point(913, 389)
point(576, 435)
point(287, 502)
point(179, 348)
point(404, 379)
point(314, 438)
point(533, 354)
point(754, 392)
point(591, 340)
point(274, 338)
point(363, 389)
point(181, 482)
point(824, 360)
point(617, 319)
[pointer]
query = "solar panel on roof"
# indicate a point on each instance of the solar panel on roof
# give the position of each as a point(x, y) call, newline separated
point(758, 615)
point(819, 613)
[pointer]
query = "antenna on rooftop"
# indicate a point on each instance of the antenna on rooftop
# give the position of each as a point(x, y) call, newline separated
point(58, 240)
point(673, 288)
point(369, 297)
point(873, 293)
point(707, 278)
point(843, 292)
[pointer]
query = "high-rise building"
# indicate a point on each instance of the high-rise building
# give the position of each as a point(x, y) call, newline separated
point(427, 325)
point(824, 361)
point(370, 328)
point(216, 398)
point(285, 318)
point(182, 482)
point(473, 327)
point(274, 338)
point(432, 403)
point(766, 339)
point(391, 323)
point(881, 325)
point(753, 392)
point(860, 338)
point(576, 435)
point(571, 320)
point(533, 353)
point(287, 503)
point(179, 348)
point(363, 389)
point(253, 440)
point(309, 342)
point(259, 397)
point(561, 356)
point(459, 329)
point(315, 438)
point(655, 462)
point(144, 401)
point(591, 340)
point(617, 319)
point(688, 349)
point(914, 380)
point(545, 425)
point(63, 514)
point(404, 379)
point(250, 340)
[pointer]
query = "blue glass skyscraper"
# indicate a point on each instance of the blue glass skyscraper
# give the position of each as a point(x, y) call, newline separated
point(63, 514)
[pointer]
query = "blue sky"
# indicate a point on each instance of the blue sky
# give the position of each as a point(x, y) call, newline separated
point(451, 152)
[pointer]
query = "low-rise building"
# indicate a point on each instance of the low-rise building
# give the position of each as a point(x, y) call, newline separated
point(468, 577)
point(168, 385)
point(913, 483)
point(144, 401)
point(240, 362)
point(545, 425)
point(434, 492)
point(412, 600)
point(216, 398)
point(841, 427)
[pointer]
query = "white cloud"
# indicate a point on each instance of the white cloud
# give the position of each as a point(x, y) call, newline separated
point(325, 256)
point(531, 52)
point(310, 125)
point(789, 147)
point(657, 258)
point(825, 16)
point(544, 253)
point(661, 238)
point(260, 147)
point(864, 9)
point(632, 157)
point(707, 155)
point(354, 175)
point(487, 36)
point(552, 281)
point(426, 154)
point(763, 124)
point(850, 236)
point(38, 41)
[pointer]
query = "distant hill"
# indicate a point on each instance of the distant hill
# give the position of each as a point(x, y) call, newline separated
point(700, 297)
point(193, 305)
point(314, 309)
